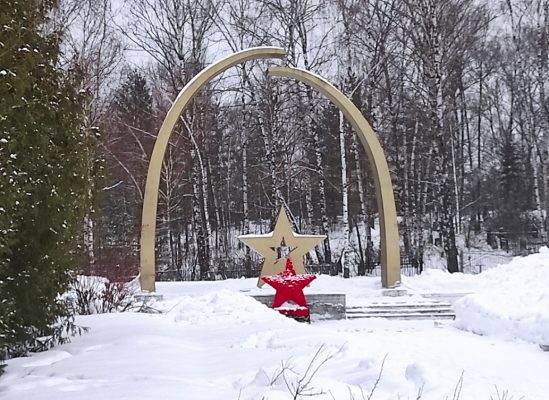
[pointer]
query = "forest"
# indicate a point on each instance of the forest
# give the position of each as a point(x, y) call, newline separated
point(454, 89)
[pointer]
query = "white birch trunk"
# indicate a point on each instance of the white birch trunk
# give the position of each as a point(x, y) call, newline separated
point(363, 224)
point(203, 187)
point(545, 138)
point(245, 206)
point(537, 193)
point(199, 229)
point(345, 256)
point(542, 33)
point(456, 189)
point(167, 218)
point(215, 201)
point(546, 188)
point(309, 201)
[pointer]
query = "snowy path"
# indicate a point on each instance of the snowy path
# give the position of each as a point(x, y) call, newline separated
point(204, 349)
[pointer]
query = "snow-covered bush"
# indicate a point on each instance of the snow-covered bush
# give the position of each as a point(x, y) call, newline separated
point(97, 295)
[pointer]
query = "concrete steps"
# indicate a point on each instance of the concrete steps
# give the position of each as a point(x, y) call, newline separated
point(435, 310)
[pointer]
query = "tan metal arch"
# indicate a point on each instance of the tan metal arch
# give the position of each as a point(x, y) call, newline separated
point(390, 242)
point(390, 250)
point(150, 199)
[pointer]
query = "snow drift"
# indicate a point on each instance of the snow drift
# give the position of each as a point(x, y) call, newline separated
point(514, 302)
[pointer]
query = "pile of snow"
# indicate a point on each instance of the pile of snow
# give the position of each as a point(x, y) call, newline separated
point(441, 281)
point(513, 302)
point(219, 307)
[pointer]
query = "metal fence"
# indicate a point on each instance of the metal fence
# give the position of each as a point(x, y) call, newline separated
point(518, 243)
point(475, 261)
point(504, 249)
point(408, 267)
point(470, 261)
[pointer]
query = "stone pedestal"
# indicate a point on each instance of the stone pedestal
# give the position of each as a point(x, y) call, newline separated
point(394, 292)
point(322, 306)
point(148, 297)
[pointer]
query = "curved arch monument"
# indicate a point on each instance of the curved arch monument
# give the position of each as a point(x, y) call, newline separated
point(390, 241)
point(390, 249)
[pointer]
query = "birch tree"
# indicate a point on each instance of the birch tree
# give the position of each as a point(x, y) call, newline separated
point(441, 34)
point(295, 23)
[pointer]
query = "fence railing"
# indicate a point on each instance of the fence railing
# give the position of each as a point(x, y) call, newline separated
point(518, 243)
point(470, 261)
point(408, 267)
point(474, 262)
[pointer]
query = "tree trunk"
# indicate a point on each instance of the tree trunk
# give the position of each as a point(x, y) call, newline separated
point(245, 206)
point(542, 37)
point(345, 255)
point(202, 250)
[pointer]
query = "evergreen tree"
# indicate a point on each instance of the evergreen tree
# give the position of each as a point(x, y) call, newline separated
point(42, 179)
point(128, 147)
point(515, 192)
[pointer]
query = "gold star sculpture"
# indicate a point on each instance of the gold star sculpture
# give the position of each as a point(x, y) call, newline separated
point(281, 244)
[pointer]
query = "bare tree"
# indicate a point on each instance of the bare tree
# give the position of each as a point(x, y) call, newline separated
point(92, 45)
point(176, 36)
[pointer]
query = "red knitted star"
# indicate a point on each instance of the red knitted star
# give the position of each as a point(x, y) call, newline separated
point(289, 287)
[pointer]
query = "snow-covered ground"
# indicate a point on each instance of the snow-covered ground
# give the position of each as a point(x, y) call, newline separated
point(212, 341)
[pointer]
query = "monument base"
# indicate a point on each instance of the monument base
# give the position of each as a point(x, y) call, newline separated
point(322, 306)
point(394, 292)
point(148, 297)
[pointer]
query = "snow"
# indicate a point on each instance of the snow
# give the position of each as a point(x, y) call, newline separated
point(210, 340)
point(514, 303)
